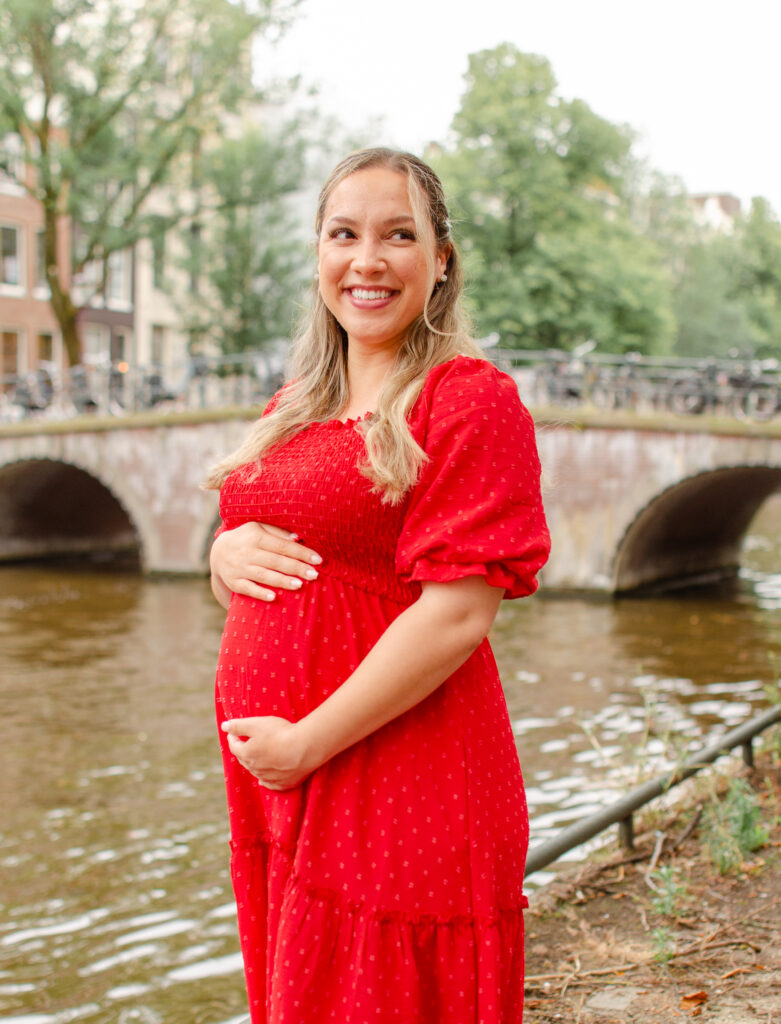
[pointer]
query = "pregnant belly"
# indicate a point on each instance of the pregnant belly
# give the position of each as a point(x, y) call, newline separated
point(286, 656)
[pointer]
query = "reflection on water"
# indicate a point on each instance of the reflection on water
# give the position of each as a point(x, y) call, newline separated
point(116, 903)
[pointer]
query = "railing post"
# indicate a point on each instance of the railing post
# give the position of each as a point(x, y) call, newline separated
point(626, 832)
point(748, 753)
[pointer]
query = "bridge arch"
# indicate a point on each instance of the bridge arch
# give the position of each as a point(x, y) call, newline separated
point(51, 508)
point(693, 530)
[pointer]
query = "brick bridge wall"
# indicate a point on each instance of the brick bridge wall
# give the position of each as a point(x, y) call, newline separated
point(629, 501)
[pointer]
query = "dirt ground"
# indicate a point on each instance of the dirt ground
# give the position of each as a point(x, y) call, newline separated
point(661, 935)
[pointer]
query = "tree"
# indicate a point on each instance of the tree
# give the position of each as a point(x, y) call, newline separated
point(712, 319)
point(110, 99)
point(252, 257)
point(727, 294)
point(758, 276)
point(539, 189)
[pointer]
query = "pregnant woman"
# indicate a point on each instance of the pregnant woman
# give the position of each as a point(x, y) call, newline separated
point(378, 821)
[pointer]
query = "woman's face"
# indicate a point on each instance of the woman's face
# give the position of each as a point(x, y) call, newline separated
point(371, 262)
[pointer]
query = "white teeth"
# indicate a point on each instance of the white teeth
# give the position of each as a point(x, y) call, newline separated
point(366, 293)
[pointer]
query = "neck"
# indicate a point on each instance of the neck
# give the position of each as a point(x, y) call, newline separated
point(367, 372)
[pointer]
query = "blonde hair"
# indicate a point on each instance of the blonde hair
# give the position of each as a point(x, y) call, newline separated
point(319, 390)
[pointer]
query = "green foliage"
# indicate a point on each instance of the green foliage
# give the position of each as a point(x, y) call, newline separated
point(252, 255)
point(732, 827)
point(726, 285)
point(538, 186)
point(757, 278)
point(713, 321)
point(664, 945)
point(110, 101)
point(727, 298)
point(668, 892)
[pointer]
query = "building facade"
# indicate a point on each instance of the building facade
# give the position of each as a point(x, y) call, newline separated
point(29, 333)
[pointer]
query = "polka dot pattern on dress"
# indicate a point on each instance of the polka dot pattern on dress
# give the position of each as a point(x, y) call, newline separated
point(388, 887)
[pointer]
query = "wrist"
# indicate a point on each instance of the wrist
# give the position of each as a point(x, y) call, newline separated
point(314, 747)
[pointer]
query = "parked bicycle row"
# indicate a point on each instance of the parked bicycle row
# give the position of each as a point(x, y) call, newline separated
point(747, 390)
point(116, 390)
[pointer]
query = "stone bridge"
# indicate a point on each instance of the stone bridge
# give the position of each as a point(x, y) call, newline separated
point(631, 501)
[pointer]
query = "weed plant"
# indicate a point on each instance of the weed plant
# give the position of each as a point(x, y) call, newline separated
point(732, 827)
point(664, 945)
point(669, 894)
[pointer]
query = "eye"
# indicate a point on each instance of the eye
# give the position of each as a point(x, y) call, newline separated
point(341, 234)
point(403, 235)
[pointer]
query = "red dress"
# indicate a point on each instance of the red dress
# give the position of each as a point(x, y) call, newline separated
point(388, 887)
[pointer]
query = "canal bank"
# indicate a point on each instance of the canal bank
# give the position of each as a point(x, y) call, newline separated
point(661, 935)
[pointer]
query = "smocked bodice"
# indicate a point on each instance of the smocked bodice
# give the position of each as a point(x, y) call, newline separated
point(312, 486)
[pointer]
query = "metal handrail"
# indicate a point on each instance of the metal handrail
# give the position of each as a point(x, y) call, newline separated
point(744, 389)
point(620, 813)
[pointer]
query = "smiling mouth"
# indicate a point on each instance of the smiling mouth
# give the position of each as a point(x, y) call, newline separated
point(367, 294)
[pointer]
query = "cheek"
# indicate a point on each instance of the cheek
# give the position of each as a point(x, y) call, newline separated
point(330, 268)
point(417, 281)
point(417, 273)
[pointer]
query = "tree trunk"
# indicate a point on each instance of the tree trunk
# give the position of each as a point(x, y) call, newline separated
point(61, 301)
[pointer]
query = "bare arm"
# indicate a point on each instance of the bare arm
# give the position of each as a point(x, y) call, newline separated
point(255, 557)
point(415, 654)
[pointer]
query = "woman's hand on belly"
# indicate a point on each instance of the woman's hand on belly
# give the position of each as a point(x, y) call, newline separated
point(272, 749)
point(254, 557)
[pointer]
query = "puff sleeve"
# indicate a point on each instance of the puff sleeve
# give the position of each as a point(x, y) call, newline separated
point(476, 509)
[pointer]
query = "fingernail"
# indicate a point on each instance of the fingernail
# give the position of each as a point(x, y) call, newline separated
point(311, 574)
point(268, 595)
point(295, 584)
point(292, 536)
point(316, 559)
point(225, 726)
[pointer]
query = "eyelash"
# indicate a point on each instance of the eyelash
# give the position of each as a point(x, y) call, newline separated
point(340, 233)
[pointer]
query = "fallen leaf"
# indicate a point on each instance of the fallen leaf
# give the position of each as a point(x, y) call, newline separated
point(693, 1002)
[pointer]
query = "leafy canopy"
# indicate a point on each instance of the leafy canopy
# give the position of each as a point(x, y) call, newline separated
point(539, 187)
point(254, 256)
point(109, 99)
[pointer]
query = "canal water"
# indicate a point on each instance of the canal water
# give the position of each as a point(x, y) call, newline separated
point(115, 899)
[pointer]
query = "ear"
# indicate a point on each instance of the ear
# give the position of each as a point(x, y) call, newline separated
point(442, 257)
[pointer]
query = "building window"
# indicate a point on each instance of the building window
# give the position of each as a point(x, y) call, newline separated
point(118, 279)
point(96, 342)
point(9, 357)
point(120, 347)
point(10, 256)
point(40, 259)
point(158, 257)
point(158, 344)
point(45, 348)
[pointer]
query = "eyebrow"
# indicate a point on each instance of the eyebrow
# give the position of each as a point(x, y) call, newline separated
point(403, 218)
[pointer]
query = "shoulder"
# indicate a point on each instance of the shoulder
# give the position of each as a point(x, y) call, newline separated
point(467, 388)
point(467, 375)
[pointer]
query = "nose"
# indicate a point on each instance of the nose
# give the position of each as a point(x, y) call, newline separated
point(368, 255)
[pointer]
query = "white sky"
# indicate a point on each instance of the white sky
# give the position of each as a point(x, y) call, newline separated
point(699, 80)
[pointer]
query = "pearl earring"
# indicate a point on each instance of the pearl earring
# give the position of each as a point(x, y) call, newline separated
point(443, 278)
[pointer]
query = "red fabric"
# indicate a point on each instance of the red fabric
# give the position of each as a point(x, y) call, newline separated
point(388, 887)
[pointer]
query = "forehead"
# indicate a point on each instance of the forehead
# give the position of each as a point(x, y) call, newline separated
point(373, 191)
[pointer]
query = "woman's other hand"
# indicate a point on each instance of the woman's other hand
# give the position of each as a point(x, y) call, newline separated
point(270, 748)
point(255, 557)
